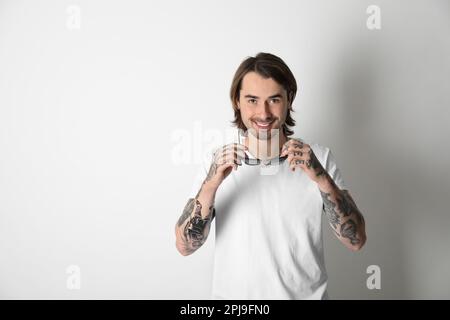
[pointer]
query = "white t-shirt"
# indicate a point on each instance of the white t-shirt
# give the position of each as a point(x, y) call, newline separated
point(268, 230)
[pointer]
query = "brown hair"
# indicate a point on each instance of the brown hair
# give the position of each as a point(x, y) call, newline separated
point(268, 66)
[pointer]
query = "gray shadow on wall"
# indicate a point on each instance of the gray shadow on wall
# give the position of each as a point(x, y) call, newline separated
point(372, 179)
point(393, 127)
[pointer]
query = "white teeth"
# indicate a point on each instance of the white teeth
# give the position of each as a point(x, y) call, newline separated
point(263, 124)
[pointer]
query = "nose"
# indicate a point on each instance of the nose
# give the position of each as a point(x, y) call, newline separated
point(264, 112)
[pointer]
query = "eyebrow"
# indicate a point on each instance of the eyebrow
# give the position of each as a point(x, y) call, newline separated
point(278, 95)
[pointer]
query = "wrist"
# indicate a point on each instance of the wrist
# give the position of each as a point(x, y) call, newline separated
point(325, 183)
point(209, 186)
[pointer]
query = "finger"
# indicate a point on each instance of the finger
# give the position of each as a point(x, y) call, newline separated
point(292, 158)
point(236, 153)
point(229, 151)
point(300, 155)
point(296, 163)
point(236, 156)
point(297, 143)
point(239, 154)
point(234, 145)
point(308, 163)
point(292, 148)
point(296, 154)
point(221, 169)
point(305, 158)
point(228, 147)
point(285, 148)
point(296, 147)
point(228, 163)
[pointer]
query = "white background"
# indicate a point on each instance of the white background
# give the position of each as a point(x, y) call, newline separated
point(87, 135)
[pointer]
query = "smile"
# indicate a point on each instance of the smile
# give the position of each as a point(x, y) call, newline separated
point(263, 125)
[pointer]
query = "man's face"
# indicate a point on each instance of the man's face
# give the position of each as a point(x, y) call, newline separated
point(263, 104)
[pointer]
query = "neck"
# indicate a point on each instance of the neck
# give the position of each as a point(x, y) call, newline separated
point(265, 149)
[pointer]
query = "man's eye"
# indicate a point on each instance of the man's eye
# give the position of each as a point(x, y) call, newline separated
point(275, 100)
point(252, 100)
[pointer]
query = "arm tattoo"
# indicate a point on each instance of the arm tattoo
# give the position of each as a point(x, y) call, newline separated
point(348, 230)
point(329, 206)
point(186, 212)
point(196, 229)
point(347, 206)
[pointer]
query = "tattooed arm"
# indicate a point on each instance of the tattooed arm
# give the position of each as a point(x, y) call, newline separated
point(193, 226)
point(344, 216)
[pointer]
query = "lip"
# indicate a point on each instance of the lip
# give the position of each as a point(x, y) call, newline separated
point(263, 127)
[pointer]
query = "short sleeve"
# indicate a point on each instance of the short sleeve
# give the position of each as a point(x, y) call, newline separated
point(334, 172)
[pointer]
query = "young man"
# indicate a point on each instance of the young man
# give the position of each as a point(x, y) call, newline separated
point(268, 226)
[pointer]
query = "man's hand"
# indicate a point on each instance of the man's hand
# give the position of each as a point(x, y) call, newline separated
point(193, 226)
point(224, 160)
point(344, 216)
point(300, 155)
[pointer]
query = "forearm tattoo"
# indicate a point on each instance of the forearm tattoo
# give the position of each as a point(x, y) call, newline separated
point(342, 214)
point(196, 229)
point(344, 205)
point(348, 230)
point(347, 206)
point(328, 206)
point(188, 208)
